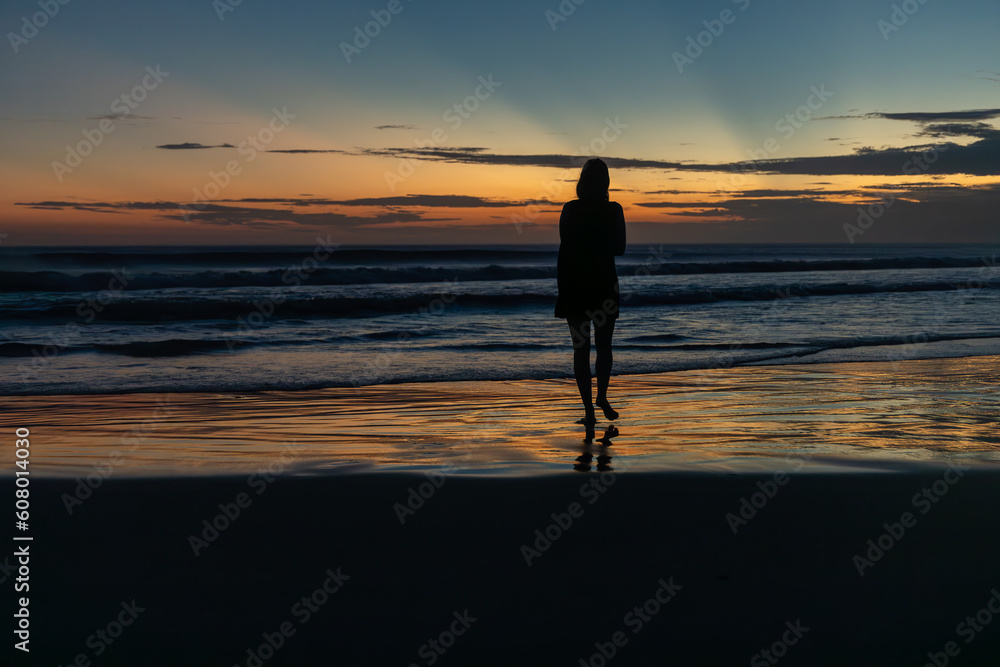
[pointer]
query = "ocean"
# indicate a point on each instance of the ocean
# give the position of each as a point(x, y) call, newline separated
point(178, 319)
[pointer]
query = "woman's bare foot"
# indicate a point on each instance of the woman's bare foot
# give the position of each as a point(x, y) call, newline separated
point(589, 418)
point(609, 412)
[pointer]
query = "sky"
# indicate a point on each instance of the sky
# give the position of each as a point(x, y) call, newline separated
point(248, 122)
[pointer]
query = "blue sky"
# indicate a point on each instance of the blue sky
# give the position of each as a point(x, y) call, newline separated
point(558, 89)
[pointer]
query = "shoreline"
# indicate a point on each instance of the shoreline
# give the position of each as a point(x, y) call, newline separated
point(839, 416)
point(722, 359)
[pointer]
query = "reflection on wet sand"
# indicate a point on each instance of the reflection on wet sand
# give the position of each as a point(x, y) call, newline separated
point(583, 462)
point(721, 419)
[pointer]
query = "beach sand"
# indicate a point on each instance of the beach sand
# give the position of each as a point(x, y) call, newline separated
point(842, 514)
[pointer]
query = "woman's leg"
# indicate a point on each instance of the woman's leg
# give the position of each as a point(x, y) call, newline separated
point(602, 340)
point(579, 330)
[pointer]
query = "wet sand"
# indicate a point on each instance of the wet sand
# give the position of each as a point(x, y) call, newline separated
point(839, 416)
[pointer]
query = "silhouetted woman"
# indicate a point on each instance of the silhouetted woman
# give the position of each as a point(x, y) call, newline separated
point(591, 233)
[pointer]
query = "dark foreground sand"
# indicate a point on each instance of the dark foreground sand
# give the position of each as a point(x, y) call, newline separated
point(455, 573)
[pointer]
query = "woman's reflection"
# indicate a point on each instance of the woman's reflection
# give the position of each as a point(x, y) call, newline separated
point(586, 458)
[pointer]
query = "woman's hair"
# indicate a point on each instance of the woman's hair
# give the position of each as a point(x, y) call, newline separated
point(594, 180)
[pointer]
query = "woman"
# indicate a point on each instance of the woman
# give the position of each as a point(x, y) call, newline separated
point(591, 233)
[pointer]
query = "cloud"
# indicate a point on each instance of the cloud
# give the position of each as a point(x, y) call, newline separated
point(94, 207)
point(773, 193)
point(192, 146)
point(11, 119)
point(396, 127)
point(127, 116)
point(306, 150)
point(245, 216)
point(930, 213)
point(436, 201)
point(215, 214)
point(671, 204)
point(981, 158)
point(923, 116)
point(989, 76)
point(411, 200)
point(479, 156)
point(941, 130)
point(930, 117)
